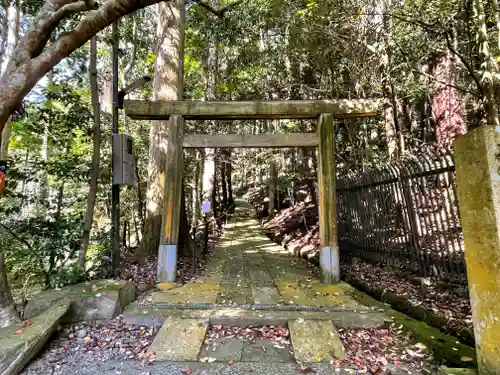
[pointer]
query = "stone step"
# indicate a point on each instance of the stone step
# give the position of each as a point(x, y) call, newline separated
point(179, 339)
point(266, 295)
point(229, 316)
point(315, 341)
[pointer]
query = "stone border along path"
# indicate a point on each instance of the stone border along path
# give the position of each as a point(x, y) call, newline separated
point(247, 276)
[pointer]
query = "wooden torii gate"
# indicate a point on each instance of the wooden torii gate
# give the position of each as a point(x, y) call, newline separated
point(324, 138)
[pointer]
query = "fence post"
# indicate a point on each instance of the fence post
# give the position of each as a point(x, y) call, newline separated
point(478, 183)
point(167, 254)
point(329, 248)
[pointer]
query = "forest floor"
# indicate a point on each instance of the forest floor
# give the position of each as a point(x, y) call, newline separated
point(145, 272)
point(297, 229)
point(115, 348)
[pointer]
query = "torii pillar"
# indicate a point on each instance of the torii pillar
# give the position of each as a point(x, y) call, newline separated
point(329, 247)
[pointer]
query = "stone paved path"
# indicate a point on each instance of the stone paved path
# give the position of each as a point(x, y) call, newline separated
point(248, 268)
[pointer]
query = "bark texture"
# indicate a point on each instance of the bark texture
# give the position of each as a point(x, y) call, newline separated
point(168, 85)
point(449, 111)
point(96, 138)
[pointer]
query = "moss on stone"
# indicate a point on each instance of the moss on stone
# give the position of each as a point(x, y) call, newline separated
point(99, 299)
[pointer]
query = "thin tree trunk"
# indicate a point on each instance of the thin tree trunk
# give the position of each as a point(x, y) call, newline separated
point(4, 25)
point(8, 312)
point(496, 12)
point(272, 187)
point(390, 108)
point(223, 181)
point(96, 138)
point(195, 192)
point(10, 29)
point(487, 65)
point(214, 187)
point(168, 85)
point(124, 234)
point(229, 178)
point(201, 178)
point(210, 177)
point(140, 202)
point(130, 64)
point(10, 37)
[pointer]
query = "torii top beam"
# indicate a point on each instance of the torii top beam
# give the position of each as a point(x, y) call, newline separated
point(244, 110)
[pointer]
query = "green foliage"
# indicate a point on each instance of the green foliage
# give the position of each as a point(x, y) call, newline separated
point(50, 155)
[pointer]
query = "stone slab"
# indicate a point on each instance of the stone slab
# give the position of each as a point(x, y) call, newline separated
point(99, 299)
point(145, 316)
point(193, 292)
point(224, 350)
point(260, 276)
point(18, 349)
point(315, 341)
point(314, 293)
point(179, 339)
point(266, 295)
point(443, 370)
point(265, 351)
point(234, 293)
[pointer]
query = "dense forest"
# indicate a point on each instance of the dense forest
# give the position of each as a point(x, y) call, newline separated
point(433, 63)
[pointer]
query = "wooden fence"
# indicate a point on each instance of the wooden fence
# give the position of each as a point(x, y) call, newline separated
point(404, 215)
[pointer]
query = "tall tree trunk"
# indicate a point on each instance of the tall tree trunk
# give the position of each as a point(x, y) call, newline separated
point(8, 312)
point(390, 108)
point(197, 187)
point(12, 22)
point(488, 67)
point(223, 180)
point(214, 186)
point(4, 26)
point(229, 178)
point(128, 68)
point(96, 138)
point(210, 167)
point(168, 85)
point(272, 187)
point(446, 100)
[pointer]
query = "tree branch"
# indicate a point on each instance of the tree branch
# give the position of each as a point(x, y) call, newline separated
point(24, 69)
point(19, 239)
point(466, 64)
point(218, 12)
